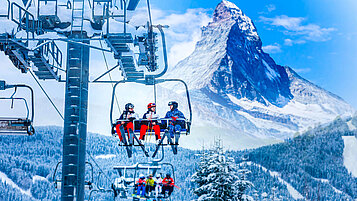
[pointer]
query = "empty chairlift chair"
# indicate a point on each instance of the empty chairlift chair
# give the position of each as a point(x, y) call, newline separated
point(17, 125)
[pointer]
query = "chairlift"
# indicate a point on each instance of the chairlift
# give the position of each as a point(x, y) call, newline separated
point(17, 125)
point(88, 182)
point(124, 185)
point(164, 123)
point(152, 80)
point(99, 16)
point(50, 21)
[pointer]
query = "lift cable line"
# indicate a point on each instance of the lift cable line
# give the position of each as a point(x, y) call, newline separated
point(110, 77)
point(48, 97)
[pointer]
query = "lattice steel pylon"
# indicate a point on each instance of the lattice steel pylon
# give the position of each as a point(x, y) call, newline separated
point(75, 120)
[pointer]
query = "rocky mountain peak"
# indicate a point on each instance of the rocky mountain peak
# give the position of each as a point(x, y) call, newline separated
point(226, 10)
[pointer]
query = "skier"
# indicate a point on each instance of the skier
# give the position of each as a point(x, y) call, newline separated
point(158, 187)
point(152, 123)
point(174, 124)
point(141, 186)
point(168, 184)
point(130, 115)
point(150, 184)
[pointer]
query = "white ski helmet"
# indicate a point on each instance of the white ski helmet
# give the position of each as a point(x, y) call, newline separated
point(141, 176)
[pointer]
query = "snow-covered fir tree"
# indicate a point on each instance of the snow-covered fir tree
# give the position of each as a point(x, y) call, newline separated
point(219, 178)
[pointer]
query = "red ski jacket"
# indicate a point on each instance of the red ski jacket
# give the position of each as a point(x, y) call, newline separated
point(141, 182)
point(168, 181)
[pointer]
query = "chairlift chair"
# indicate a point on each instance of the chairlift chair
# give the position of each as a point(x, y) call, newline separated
point(17, 125)
point(99, 17)
point(124, 185)
point(88, 183)
point(186, 123)
point(152, 79)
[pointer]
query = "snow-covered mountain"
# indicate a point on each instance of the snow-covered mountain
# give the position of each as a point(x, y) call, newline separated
point(240, 94)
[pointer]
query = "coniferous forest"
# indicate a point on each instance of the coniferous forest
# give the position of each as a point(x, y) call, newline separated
point(311, 163)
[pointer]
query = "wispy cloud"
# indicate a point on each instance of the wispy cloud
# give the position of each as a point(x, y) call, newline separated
point(291, 42)
point(268, 9)
point(271, 7)
point(302, 70)
point(295, 26)
point(271, 49)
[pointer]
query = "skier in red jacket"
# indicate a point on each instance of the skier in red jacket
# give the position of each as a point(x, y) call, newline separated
point(130, 115)
point(141, 185)
point(168, 184)
point(152, 123)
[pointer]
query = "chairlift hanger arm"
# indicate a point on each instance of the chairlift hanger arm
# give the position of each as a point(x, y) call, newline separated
point(55, 172)
point(23, 99)
point(32, 96)
point(187, 92)
point(106, 72)
point(92, 172)
point(173, 170)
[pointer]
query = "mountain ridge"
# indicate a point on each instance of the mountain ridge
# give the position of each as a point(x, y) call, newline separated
point(230, 75)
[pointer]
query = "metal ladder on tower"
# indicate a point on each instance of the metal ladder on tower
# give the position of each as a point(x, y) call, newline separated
point(73, 169)
point(70, 147)
point(77, 16)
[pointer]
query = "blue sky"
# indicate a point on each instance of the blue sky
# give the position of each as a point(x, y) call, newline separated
point(318, 38)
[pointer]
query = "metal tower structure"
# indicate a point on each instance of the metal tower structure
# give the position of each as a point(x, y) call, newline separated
point(44, 61)
point(75, 119)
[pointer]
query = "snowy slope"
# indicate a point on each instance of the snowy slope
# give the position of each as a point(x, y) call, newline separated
point(5, 179)
point(240, 94)
point(293, 192)
point(350, 154)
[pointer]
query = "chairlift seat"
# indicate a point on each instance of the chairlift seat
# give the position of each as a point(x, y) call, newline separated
point(185, 124)
point(16, 126)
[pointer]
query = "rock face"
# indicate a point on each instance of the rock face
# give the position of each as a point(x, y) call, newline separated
point(236, 85)
point(230, 56)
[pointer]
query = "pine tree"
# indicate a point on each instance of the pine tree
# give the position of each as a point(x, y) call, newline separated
point(218, 177)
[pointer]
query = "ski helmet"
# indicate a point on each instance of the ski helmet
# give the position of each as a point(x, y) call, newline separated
point(150, 105)
point(174, 104)
point(158, 175)
point(168, 175)
point(141, 176)
point(129, 106)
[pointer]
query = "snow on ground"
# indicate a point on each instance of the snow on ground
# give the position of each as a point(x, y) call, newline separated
point(8, 181)
point(303, 115)
point(40, 178)
point(270, 73)
point(293, 192)
point(328, 182)
point(105, 156)
point(350, 154)
point(351, 126)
